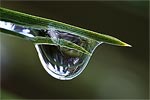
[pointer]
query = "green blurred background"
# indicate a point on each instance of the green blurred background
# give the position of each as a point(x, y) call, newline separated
point(112, 73)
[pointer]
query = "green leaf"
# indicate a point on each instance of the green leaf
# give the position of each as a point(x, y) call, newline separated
point(47, 40)
point(43, 23)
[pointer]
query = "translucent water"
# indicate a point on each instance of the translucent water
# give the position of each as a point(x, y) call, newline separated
point(61, 63)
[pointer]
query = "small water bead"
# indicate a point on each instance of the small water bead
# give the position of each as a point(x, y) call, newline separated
point(16, 28)
point(61, 63)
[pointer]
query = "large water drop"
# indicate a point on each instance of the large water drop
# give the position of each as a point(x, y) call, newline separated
point(61, 63)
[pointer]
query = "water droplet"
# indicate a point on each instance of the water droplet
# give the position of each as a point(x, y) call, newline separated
point(13, 27)
point(61, 63)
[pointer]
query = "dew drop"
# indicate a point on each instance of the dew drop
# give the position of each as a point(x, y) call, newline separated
point(61, 63)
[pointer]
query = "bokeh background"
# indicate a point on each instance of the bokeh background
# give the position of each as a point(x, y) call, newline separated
point(112, 73)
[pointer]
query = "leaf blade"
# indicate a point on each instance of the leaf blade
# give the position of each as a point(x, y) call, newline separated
point(43, 23)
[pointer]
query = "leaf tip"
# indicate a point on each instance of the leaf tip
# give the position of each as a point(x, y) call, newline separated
point(126, 45)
